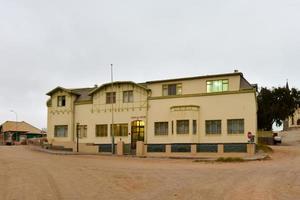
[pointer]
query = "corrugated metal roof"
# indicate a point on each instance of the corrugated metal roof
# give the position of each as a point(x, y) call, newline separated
point(19, 127)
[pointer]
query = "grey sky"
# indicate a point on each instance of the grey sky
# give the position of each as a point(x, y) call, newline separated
point(71, 43)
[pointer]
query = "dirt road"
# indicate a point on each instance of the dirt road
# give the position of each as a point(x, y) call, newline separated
point(30, 175)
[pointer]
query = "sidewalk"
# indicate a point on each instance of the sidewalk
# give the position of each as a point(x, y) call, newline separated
point(257, 156)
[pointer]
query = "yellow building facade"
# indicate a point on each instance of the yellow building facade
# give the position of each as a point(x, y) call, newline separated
point(192, 116)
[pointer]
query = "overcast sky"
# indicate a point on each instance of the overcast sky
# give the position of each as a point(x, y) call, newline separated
point(71, 43)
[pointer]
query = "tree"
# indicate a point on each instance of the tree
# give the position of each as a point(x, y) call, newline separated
point(276, 105)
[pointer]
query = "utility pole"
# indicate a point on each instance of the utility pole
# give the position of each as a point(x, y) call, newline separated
point(112, 111)
point(16, 124)
point(77, 137)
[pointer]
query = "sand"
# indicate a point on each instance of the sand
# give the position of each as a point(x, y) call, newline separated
point(30, 175)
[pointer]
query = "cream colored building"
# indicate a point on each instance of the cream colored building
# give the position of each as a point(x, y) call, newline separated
point(294, 121)
point(200, 115)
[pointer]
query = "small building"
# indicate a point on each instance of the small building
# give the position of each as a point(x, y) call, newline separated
point(12, 132)
point(294, 121)
point(195, 116)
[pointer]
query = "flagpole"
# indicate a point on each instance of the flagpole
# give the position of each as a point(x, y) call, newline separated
point(112, 111)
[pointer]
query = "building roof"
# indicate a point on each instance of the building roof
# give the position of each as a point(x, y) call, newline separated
point(197, 77)
point(116, 83)
point(85, 94)
point(12, 126)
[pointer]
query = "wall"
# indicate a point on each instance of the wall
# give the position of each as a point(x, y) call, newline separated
point(214, 107)
point(61, 116)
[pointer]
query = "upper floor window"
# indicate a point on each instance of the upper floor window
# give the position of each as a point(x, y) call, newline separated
point(61, 101)
point(110, 97)
point(172, 89)
point(217, 85)
point(128, 96)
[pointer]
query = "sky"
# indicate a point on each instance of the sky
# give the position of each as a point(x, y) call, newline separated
point(71, 43)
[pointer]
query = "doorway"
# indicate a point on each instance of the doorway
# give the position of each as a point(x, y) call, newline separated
point(137, 133)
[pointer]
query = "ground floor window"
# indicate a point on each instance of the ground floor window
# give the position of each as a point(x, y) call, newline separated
point(213, 126)
point(61, 131)
point(120, 130)
point(82, 131)
point(182, 126)
point(101, 130)
point(161, 128)
point(194, 127)
point(298, 122)
point(235, 126)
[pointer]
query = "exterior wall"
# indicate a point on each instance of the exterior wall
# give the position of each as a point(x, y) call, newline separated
point(61, 116)
point(214, 107)
point(296, 117)
point(194, 86)
point(153, 107)
point(97, 112)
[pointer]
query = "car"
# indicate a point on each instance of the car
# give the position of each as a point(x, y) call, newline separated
point(276, 138)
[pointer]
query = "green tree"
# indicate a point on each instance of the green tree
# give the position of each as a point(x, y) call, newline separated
point(276, 105)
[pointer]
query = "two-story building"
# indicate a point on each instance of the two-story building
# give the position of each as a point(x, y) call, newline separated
point(200, 115)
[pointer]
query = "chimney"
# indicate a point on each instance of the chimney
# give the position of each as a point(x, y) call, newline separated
point(236, 71)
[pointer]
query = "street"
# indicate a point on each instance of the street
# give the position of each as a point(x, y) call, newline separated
point(31, 175)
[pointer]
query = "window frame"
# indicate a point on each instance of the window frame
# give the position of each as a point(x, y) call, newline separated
point(161, 133)
point(195, 127)
point(186, 130)
point(120, 131)
point(218, 129)
point(210, 85)
point(61, 101)
point(81, 128)
point(97, 130)
point(109, 99)
point(65, 134)
point(166, 90)
point(231, 131)
point(128, 98)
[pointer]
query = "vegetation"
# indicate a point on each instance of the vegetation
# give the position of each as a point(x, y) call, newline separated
point(264, 148)
point(230, 159)
point(275, 105)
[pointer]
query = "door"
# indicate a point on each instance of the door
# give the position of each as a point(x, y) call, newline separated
point(137, 133)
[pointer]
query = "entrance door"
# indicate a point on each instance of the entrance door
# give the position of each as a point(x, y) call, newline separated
point(137, 133)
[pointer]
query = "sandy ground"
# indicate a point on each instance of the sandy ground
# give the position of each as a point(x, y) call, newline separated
point(30, 175)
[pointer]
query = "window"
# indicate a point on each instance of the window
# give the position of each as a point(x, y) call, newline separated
point(172, 89)
point(101, 130)
point(128, 96)
point(217, 86)
point(61, 131)
point(298, 122)
point(82, 131)
point(61, 101)
point(110, 97)
point(235, 126)
point(213, 126)
point(182, 126)
point(161, 128)
point(120, 130)
point(194, 127)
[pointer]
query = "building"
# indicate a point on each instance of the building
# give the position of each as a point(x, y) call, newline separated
point(186, 116)
point(12, 132)
point(294, 121)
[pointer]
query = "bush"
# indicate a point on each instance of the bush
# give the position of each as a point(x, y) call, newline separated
point(230, 159)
